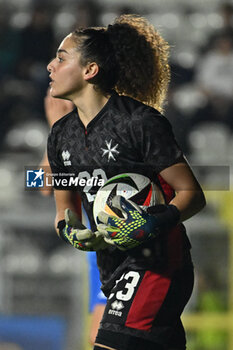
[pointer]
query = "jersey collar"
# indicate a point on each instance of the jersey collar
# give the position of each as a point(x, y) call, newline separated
point(98, 115)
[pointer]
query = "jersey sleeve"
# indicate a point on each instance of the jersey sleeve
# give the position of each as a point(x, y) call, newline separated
point(158, 147)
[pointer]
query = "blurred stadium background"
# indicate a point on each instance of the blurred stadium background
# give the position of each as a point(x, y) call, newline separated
point(42, 281)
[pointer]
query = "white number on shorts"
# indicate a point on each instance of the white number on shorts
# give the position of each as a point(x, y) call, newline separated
point(130, 286)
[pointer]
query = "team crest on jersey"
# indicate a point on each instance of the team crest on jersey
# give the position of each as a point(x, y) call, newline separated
point(110, 151)
point(66, 158)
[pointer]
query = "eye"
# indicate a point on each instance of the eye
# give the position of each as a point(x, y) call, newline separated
point(60, 59)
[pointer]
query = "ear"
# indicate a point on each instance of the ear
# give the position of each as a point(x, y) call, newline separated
point(91, 70)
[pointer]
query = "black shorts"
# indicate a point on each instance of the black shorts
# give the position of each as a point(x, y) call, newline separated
point(145, 307)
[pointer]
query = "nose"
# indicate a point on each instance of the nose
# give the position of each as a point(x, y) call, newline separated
point(50, 66)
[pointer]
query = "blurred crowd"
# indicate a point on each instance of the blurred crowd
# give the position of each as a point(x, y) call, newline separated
point(199, 106)
point(201, 59)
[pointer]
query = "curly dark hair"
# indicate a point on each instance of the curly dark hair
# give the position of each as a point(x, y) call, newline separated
point(132, 58)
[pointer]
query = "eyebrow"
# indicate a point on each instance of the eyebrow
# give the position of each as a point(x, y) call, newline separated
point(61, 50)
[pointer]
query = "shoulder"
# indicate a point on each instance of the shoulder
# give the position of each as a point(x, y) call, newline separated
point(61, 126)
point(141, 115)
point(64, 121)
point(136, 111)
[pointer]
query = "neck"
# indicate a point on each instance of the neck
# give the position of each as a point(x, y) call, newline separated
point(89, 103)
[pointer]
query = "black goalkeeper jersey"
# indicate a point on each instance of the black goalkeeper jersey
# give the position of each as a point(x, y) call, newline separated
point(125, 136)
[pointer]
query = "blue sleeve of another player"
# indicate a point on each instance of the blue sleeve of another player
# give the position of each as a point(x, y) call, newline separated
point(96, 296)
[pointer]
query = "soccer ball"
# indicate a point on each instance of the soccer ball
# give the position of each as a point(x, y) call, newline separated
point(135, 187)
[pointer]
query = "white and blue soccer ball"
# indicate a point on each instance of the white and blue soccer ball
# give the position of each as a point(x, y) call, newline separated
point(135, 187)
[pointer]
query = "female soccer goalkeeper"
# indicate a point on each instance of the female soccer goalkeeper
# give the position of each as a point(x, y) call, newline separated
point(117, 77)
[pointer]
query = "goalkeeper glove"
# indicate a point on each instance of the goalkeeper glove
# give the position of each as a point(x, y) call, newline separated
point(72, 231)
point(138, 226)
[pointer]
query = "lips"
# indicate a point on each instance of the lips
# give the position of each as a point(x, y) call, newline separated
point(51, 82)
point(50, 77)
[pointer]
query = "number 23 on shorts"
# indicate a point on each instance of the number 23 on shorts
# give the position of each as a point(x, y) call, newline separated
point(121, 298)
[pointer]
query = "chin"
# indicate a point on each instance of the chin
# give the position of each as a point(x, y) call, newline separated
point(55, 94)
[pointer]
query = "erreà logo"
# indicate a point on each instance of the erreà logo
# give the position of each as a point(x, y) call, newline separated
point(116, 307)
point(66, 156)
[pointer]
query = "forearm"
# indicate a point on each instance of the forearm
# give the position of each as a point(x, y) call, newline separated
point(189, 203)
point(59, 217)
point(63, 199)
point(189, 198)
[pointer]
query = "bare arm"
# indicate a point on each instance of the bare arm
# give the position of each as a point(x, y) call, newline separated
point(95, 322)
point(54, 110)
point(189, 197)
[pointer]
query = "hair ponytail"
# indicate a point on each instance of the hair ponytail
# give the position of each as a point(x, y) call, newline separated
point(132, 57)
point(142, 57)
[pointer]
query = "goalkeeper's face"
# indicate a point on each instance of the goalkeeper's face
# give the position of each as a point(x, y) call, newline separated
point(66, 72)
